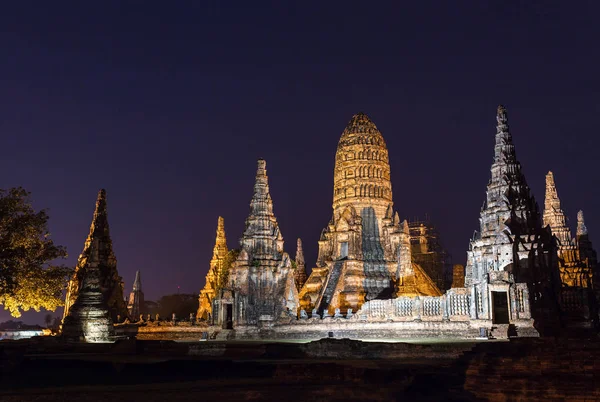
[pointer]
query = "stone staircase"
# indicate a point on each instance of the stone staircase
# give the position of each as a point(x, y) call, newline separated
point(332, 281)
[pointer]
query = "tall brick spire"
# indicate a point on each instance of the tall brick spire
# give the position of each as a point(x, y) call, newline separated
point(88, 318)
point(508, 197)
point(262, 237)
point(553, 214)
point(509, 216)
point(217, 272)
point(300, 272)
point(111, 284)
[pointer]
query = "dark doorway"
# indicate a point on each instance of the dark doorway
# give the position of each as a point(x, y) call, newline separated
point(500, 311)
point(228, 321)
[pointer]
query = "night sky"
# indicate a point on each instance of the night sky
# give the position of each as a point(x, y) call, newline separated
point(168, 105)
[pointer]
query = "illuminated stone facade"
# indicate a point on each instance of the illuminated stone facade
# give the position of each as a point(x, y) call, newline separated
point(88, 319)
point(261, 286)
point(574, 271)
point(359, 251)
point(379, 277)
point(135, 306)
point(576, 259)
point(217, 273)
point(507, 261)
point(111, 284)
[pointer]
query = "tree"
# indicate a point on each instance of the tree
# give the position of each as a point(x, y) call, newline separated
point(180, 304)
point(28, 279)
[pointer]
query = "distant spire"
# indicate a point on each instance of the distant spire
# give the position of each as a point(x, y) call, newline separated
point(299, 252)
point(220, 252)
point(217, 275)
point(553, 214)
point(300, 274)
point(137, 283)
point(581, 228)
point(136, 298)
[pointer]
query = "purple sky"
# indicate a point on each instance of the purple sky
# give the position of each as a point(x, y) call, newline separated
point(168, 105)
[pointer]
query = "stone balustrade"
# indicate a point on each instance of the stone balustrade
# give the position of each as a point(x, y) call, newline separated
point(454, 305)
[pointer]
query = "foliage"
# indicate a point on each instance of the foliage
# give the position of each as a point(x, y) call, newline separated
point(232, 255)
point(28, 279)
point(180, 304)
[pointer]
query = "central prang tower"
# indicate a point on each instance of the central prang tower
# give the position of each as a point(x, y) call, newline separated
point(364, 252)
point(362, 171)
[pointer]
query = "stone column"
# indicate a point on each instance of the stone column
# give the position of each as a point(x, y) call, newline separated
point(474, 302)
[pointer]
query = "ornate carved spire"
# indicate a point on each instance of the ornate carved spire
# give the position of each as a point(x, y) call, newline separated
point(136, 298)
point(220, 254)
point(262, 237)
point(509, 215)
point(300, 273)
point(581, 228)
point(508, 198)
point(553, 214)
point(110, 282)
point(218, 272)
point(88, 319)
point(504, 149)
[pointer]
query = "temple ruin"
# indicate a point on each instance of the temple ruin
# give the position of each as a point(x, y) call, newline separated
point(576, 261)
point(135, 306)
point(111, 284)
point(88, 319)
point(377, 276)
point(217, 273)
point(359, 250)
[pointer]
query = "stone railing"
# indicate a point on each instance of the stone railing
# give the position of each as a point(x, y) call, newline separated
point(454, 305)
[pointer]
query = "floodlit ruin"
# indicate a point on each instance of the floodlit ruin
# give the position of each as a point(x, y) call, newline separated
point(377, 275)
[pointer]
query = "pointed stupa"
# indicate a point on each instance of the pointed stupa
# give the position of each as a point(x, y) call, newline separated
point(88, 319)
point(509, 214)
point(262, 238)
point(508, 197)
point(111, 284)
point(217, 274)
point(553, 214)
point(136, 298)
point(300, 272)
